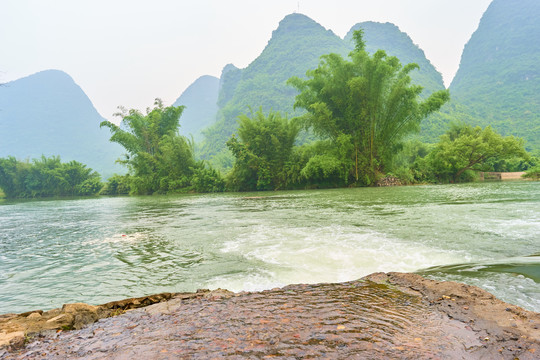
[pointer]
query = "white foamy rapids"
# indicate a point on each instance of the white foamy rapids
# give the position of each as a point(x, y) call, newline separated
point(515, 228)
point(283, 256)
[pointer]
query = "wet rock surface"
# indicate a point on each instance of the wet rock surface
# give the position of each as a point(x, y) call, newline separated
point(399, 316)
point(16, 329)
point(389, 181)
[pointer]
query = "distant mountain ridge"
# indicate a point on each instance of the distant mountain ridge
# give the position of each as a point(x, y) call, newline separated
point(294, 48)
point(497, 84)
point(200, 100)
point(498, 81)
point(47, 113)
point(388, 37)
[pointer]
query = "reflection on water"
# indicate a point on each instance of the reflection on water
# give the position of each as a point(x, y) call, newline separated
point(98, 250)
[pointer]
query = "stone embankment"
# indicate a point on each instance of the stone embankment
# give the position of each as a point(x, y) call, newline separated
point(15, 329)
point(501, 176)
point(389, 181)
point(398, 316)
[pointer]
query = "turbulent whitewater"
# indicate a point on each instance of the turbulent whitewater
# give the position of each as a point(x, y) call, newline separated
point(103, 249)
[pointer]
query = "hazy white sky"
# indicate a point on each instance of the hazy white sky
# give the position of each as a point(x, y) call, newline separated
point(128, 52)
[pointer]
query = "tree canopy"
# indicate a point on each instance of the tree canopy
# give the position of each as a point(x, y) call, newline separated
point(464, 148)
point(263, 151)
point(533, 173)
point(158, 158)
point(46, 177)
point(370, 99)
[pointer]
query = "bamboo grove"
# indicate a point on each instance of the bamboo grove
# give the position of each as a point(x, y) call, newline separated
point(359, 118)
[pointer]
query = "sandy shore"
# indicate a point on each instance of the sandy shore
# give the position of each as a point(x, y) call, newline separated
point(381, 316)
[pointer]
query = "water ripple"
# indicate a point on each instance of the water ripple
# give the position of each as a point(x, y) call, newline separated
point(103, 249)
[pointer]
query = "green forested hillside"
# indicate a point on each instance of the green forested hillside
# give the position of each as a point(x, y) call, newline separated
point(498, 82)
point(388, 37)
point(295, 47)
point(200, 100)
point(48, 114)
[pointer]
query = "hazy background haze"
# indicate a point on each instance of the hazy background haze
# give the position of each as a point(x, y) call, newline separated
point(129, 52)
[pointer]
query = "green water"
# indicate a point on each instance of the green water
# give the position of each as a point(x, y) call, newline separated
point(103, 249)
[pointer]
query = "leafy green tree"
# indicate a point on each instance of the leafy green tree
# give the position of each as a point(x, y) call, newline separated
point(370, 99)
point(12, 176)
point(91, 186)
point(47, 177)
point(326, 163)
point(79, 179)
point(533, 173)
point(410, 165)
point(142, 133)
point(207, 179)
point(175, 163)
point(117, 185)
point(263, 151)
point(463, 148)
point(159, 160)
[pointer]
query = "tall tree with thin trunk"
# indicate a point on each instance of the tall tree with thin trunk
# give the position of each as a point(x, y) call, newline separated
point(262, 151)
point(159, 159)
point(371, 99)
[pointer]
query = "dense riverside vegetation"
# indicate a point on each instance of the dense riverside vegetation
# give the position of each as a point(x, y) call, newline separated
point(533, 173)
point(460, 154)
point(263, 152)
point(265, 159)
point(159, 160)
point(353, 128)
point(366, 105)
point(464, 148)
point(45, 177)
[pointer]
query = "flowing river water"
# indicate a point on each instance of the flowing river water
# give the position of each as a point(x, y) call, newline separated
point(102, 249)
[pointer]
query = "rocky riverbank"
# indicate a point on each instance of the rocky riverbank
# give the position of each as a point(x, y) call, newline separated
point(380, 316)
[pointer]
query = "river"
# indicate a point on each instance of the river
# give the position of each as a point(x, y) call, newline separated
point(97, 250)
